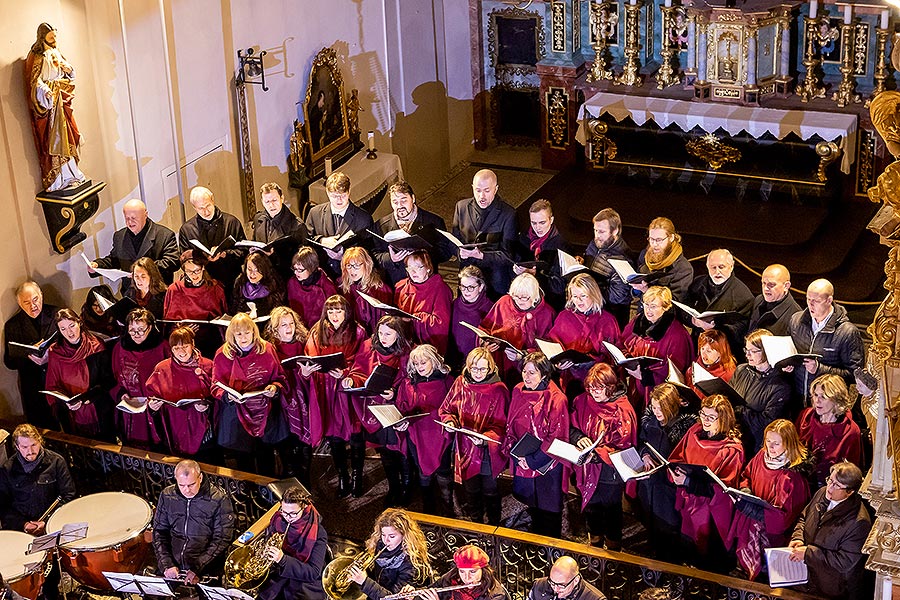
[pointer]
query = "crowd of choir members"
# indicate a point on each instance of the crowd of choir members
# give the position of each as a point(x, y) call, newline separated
point(443, 369)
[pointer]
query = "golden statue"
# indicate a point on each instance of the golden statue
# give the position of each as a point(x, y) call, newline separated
point(353, 109)
point(299, 147)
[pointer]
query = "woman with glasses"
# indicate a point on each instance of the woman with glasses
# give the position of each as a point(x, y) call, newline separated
point(470, 306)
point(706, 511)
point(656, 332)
point(425, 295)
point(336, 331)
point(477, 401)
point(777, 474)
point(827, 428)
point(539, 408)
point(297, 564)
point(148, 289)
point(197, 296)
point(422, 392)
point(358, 274)
point(308, 289)
point(258, 289)
point(471, 566)
point(602, 412)
point(764, 388)
point(519, 317)
point(186, 375)
point(133, 360)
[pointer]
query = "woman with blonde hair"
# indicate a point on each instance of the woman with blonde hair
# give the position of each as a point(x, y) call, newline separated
point(777, 475)
point(358, 274)
point(401, 554)
point(251, 426)
point(827, 428)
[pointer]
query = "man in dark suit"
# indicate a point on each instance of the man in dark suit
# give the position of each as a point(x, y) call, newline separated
point(277, 222)
point(211, 226)
point(140, 237)
point(412, 219)
point(334, 219)
point(773, 308)
point(486, 218)
point(33, 323)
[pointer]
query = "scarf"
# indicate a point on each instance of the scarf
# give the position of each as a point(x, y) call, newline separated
point(390, 559)
point(300, 536)
point(194, 363)
point(779, 462)
point(254, 291)
point(536, 243)
point(655, 331)
point(27, 466)
point(667, 260)
point(87, 345)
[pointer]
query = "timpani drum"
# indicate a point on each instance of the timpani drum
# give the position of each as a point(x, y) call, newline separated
point(23, 572)
point(115, 538)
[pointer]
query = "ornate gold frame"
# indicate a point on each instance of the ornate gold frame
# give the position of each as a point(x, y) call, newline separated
point(326, 59)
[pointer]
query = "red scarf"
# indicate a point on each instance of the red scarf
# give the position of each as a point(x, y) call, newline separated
point(538, 242)
point(301, 535)
point(68, 353)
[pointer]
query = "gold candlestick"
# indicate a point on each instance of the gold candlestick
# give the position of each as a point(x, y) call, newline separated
point(881, 70)
point(667, 75)
point(811, 86)
point(631, 69)
point(846, 92)
point(599, 22)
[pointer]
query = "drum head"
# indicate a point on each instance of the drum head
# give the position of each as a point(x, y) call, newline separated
point(112, 518)
point(12, 556)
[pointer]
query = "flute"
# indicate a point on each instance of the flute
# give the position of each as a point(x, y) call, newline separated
point(413, 593)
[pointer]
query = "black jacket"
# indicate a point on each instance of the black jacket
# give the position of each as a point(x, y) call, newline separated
point(292, 578)
point(25, 330)
point(25, 496)
point(541, 590)
point(615, 291)
point(211, 233)
point(425, 226)
point(550, 278)
point(267, 229)
point(677, 276)
point(190, 533)
point(834, 540)
point(498, 230)
point(392, 570)
point(320, 222)
point(731, 296)
point(766, 396)
point(777, 319)
point(839, 343)
point(158, 244)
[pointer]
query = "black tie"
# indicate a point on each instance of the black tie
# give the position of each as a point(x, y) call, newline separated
point(338, 223)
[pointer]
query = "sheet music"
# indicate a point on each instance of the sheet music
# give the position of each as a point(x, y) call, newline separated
point(783, 571)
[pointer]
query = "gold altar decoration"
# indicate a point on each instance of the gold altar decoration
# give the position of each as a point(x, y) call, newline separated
point(846, 92)
point(712, 151)
point(602, 27)
point(667, 75)
point(811, 87)
point(601, 148)
point(828, 152)
point(881, 70)
point(632, 68)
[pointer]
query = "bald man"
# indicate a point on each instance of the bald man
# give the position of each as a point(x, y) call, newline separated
point(720, 290)
point(564, 583)
point(140, 237)
point(773, 308)
point(210, 226)
point(486, 218)
point(824, 328)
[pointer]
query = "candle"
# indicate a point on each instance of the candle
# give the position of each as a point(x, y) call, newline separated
point(848, 14)
point(372, 141)
point(327, 167)
point(668, 3)
point(884, 18)
point(632, 2)
point(813, 9)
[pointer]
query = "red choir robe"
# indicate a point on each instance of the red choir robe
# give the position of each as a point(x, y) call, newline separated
point(69, 373)
point(829, 443)
point(364, 363)
point(132, 365)
point(464, 339)
point(431, 301)
point(725, 458)
point(544, 413)
point(617, 421)
point(203, 303)
point(667, 338)
point(788, 491)
point(585, 333)
point(308, 298)
point(244, 373)
point(480, 407)
point(185, 427)
point(717, 370)
point(295, 400)
point(426, 435)
point(365, 314)
point(518, 327)
point(337, 419)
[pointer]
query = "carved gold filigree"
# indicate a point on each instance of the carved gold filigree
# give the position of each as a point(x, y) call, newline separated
point(602, 147)
point(712, 151)
point(846, 92)
point(557, 117)
point(828, 153)
point(631, 69)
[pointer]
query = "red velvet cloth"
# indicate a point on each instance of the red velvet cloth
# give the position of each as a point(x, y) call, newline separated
point(480, 407)
point(725, 457)
point(185, 427)
point(308, 300)
point(131, 369)
point(251, 372)
point(336, 417)
point(431, 301)
point(365, 314)
point(675, 343)
point(426, 435)
point(584, 333)
point(829, 442)
point(542, 413)
point(518, 327)
point(204, 302)
point(295, 398)
point(474, 313)
point(619, 423)
point(68, 373)
point(364, 363)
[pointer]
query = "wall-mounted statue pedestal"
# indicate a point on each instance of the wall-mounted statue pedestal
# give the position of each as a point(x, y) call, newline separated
point(67, 210)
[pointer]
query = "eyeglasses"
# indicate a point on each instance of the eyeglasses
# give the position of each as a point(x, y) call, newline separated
point(521, 297)
point(291, 515)
point(479, 369)
point(557, 585)
point(657, 240)
point(470, 288)
point(653, 306)
point(135, 331)
point(752, 351)
point(354, 266)
point(709, 417)
point(299, 269)
point(833, 483)
point(192, 272)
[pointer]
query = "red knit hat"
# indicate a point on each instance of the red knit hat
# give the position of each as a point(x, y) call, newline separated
point(470, 557)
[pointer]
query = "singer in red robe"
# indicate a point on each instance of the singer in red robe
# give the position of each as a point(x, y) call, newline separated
point(358, 274)
point(827, 428)
point(197, 296)
point(425, 295)
point(308, 289)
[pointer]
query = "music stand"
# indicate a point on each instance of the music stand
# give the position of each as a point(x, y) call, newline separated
point(218, 593)
point(138, 584)
point(70, 532)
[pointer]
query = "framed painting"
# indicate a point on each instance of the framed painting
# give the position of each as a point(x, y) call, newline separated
point(325, 110)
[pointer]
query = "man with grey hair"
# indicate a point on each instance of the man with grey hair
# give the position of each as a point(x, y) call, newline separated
point(211, 226)
point(564, 583)
point(32, 323)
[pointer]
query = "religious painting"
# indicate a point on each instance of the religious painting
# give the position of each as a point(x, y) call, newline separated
point(830, 39)
point(517, 40)
point(325, 110)
point(678, 33)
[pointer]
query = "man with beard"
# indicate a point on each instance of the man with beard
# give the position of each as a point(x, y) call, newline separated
point(32, 324)
point(211, 226)
point(609, 243)
point(412, 219)
point(277, 222)
point(663, 260)
point(719, 290)
point(773, 308)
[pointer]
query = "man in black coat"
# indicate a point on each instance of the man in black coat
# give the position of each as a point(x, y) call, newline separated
point(663, 261)
point(409, 217)
point(542, 242)
point(609, 243)
point(33, 323)
point(277, 222)
point(140, 237)
point(211, 226)
point(334, 219)
point(564, 583)
point(193, 525)
point(773, 309)
point(486, 219)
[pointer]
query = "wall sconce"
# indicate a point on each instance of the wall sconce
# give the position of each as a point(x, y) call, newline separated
point(251, 66)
